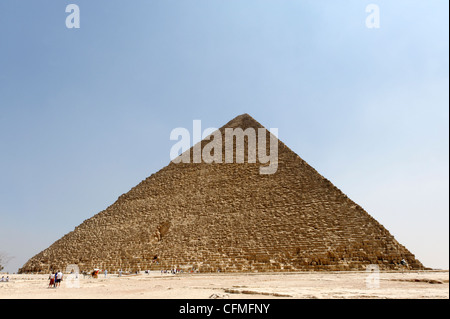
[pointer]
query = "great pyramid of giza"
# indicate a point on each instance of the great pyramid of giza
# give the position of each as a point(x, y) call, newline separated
point(228, 217)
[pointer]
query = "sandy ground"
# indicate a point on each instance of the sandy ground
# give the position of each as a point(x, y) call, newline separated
point(332, 285)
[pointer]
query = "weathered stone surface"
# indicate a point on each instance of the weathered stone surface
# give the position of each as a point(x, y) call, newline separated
point(229, 218)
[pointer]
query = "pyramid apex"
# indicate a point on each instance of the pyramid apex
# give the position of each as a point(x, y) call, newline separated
point(244, 116)
point(243, 121)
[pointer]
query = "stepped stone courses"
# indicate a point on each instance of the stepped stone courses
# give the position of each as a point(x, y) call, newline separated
point(229, 217)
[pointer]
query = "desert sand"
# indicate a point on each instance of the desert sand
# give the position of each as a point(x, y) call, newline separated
point(299, 285)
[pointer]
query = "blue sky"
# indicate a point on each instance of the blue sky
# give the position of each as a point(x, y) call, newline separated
point(86, 114)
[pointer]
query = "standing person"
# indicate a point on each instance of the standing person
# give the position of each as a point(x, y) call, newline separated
point(57, 278)
point(52, 280)
point(404, 264)
point(60, 277)
point(106, 272)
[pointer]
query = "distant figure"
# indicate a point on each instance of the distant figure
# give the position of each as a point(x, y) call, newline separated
point(7, 278)
point(60, 275)
point(106, 272)
point(404, 264)
point(52, 280)
point(3, 279)
point(120, 272)
point(58, 279)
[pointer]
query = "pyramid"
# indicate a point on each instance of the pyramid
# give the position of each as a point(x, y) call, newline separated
point(229, 217)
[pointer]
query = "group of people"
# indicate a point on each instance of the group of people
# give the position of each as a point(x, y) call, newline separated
point(4, 279)
point(55, 279)
point(171, 271)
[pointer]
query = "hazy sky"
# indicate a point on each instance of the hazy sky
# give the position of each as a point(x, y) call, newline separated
point(86, 114)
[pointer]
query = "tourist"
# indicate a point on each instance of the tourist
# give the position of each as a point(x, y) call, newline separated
point(7, 278)
point(3, 279)
point(52, 280)
point(106, 272)
point(404, 264)
point(58, 278)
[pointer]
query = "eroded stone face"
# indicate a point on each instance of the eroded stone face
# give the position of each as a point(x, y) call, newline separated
point(228, 217)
